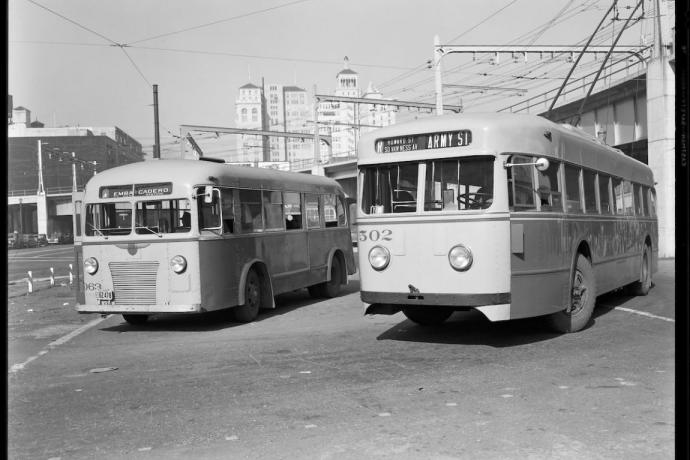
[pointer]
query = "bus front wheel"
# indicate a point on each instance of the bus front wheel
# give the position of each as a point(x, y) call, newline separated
point(252, 299)
point(582, 299)
point(427, 316)
point(135, 319)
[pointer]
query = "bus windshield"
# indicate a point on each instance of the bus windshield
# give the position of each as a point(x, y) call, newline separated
point(455, 184)
point(163, 216)
point(103, 219)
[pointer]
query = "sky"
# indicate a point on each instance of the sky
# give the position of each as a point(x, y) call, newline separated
point(93, 62)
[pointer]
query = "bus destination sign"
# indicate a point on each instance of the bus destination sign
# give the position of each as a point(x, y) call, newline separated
point(426, 141)
point(123, 191)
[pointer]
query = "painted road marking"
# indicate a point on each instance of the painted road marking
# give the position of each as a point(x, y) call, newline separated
point(644, 313)
point(61, 341)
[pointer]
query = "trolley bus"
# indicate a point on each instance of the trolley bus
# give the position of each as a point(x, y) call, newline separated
point(190, 236)
point(511, 215)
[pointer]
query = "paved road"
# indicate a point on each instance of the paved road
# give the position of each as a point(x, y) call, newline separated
point(39, 260)
point(317, 380)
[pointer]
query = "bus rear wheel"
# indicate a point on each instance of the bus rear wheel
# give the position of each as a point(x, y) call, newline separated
point(427, 316)
point(582, 299)
point(252, 299)
point(330, 288)
point(135, 319)
point(642, 287)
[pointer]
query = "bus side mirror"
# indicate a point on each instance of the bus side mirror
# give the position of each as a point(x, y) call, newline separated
point(208, 194)
point(542, 164)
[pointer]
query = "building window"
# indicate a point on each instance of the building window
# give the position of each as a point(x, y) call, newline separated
point(243, 115)
point(255, 115)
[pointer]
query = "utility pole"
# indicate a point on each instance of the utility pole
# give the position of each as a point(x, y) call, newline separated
point(317, 139)
point(74, 172)
point(156, 134)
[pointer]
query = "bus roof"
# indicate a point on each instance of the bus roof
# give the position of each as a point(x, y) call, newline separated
point(189, 173)
point(495, 133)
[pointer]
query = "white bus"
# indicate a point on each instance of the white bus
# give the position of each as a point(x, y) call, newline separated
point(189, 236)
point(511, 215)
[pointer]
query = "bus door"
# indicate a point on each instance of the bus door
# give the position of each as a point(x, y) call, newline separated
point(539, 273)
point(77, 200)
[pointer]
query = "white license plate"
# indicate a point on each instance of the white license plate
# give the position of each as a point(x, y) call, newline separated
point(104, 295)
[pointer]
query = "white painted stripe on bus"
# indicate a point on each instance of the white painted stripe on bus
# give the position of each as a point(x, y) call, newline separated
point(644, 313)
point(61, 341)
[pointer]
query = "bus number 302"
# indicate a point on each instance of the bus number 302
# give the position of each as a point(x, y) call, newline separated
point(375, 235)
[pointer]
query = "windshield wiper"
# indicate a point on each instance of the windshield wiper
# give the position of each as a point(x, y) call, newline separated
point(98, 230)
point(159, 235)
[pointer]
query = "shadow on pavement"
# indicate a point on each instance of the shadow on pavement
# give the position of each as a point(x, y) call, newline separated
point(472, 328)
point(222, 319)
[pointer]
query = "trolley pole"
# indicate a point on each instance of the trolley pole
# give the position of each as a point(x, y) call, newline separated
point(438, 54)
point(156, 134)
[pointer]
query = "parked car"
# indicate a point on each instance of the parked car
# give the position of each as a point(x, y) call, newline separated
point(12, 241)
point(29, 240)
point(54, 239)
point(41, 239)
point(66, 238)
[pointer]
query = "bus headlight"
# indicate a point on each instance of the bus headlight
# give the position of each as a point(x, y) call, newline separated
point(379, 257)
point(91, 265)
point(460, 258)
point(178, 264)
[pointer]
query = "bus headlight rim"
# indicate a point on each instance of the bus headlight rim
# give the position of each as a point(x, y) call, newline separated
point(379, 257)
point(91, 265)
point(460, 257)
point(178, 264)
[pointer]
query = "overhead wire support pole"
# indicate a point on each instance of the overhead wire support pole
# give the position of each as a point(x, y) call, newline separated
point(391, 102)
point(156, 133)
point(577, 61)
point(601, 68)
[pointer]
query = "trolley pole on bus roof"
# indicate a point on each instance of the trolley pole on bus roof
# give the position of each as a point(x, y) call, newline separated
point(156, 134)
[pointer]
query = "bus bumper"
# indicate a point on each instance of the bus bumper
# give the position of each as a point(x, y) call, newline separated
point(143, 309)
point(495, 306)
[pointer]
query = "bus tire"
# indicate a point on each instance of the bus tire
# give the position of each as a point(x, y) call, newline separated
point(315, 291)
point(331, 288)
point(582, 299)
point(252, 299)
point(135, 319)
point(642, 287)
point(427, 316)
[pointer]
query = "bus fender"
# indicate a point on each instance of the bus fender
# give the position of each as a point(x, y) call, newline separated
point(260, 267)
point(331, 255)
point(581, 247)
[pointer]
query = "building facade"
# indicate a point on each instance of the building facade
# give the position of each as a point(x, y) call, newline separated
point(45, 165)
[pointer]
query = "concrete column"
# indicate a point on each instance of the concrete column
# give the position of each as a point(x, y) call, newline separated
point(661, 139)
point(42, 213)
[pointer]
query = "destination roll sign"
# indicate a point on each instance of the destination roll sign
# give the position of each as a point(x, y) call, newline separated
point(121, 191)
point(461, 138)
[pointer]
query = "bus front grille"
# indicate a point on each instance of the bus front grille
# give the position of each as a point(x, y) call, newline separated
point(134, 283)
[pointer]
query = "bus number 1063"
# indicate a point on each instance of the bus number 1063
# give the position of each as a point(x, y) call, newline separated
point(375, 235)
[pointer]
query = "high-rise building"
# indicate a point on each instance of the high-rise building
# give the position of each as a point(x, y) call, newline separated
point(248, 115)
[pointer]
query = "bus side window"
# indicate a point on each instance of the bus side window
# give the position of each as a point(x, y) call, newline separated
point(572, 189)
point(589, 182)
point(311, 203)
point(521, 185)
point(605, 194)
point(645, 201)
point(227, 201)
point(549, 188)
point(329, 211)
point(250, 208)
point(340, 210)
point(628, 199)
point(652, 202)
point(293, 210)
point(209, 213)
point(638, 200)
point(617, 186)
point(273, 210)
